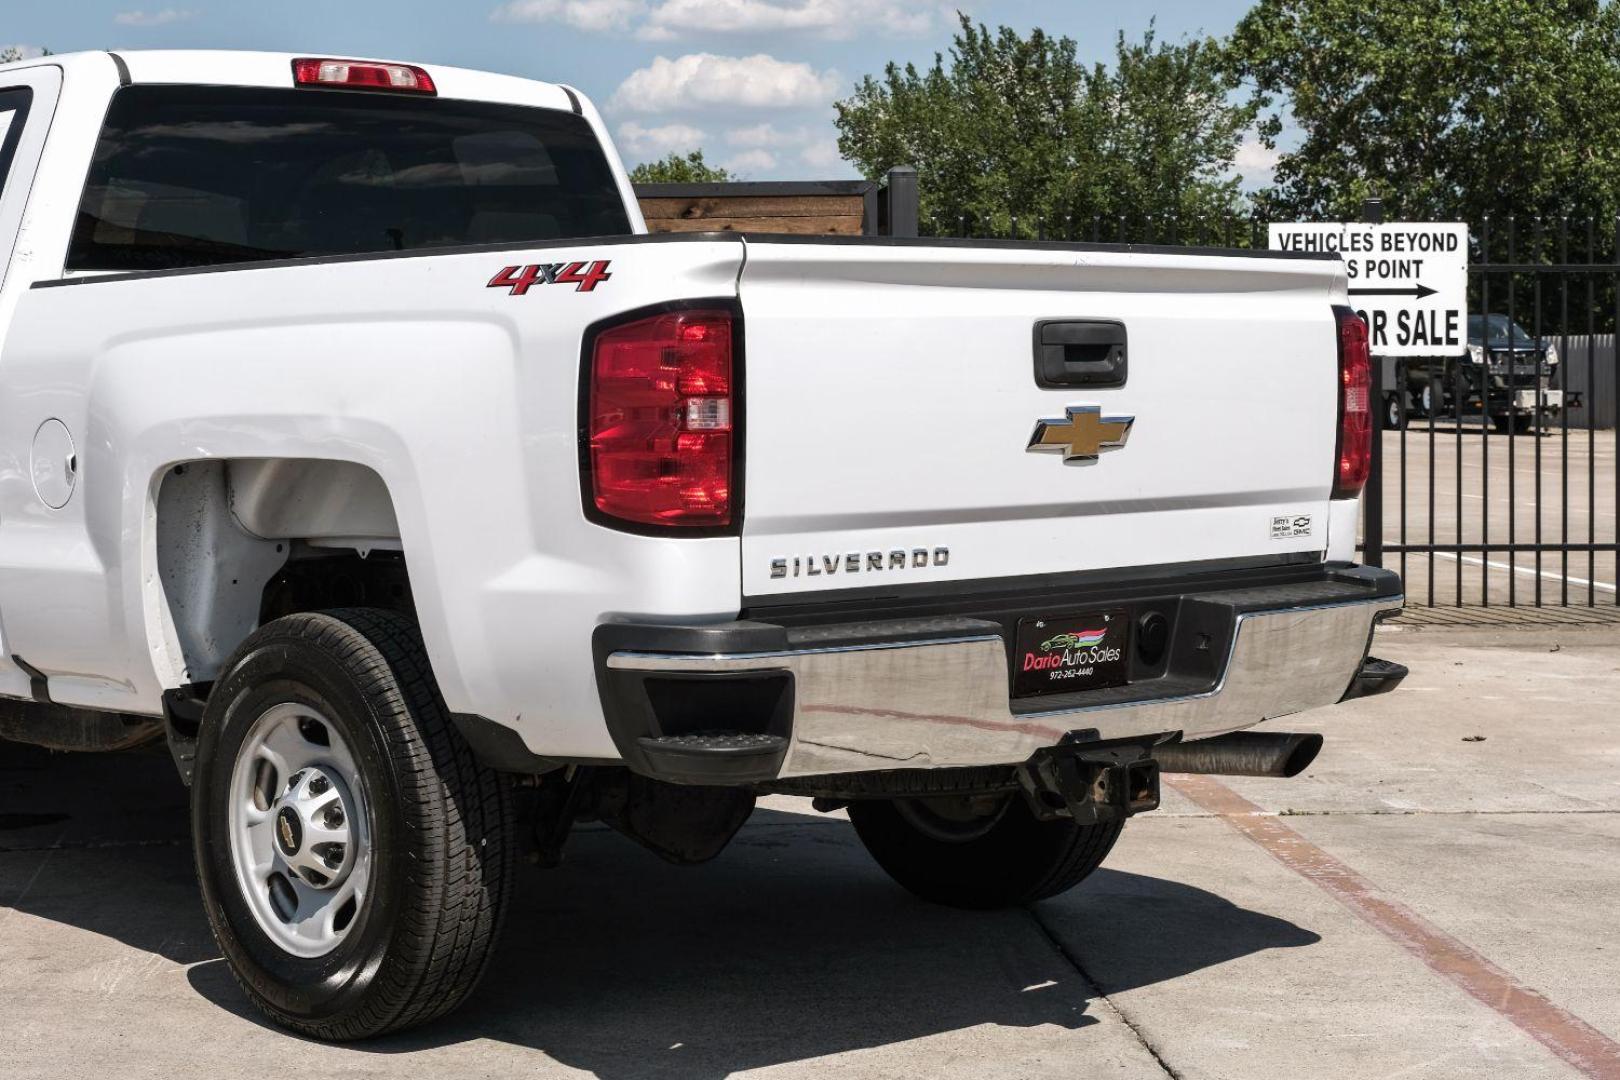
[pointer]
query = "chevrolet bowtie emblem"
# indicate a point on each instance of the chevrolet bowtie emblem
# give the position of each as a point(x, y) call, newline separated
point(1082, 435)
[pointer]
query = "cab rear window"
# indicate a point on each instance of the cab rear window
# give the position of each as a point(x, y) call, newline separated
point(13, 112)
point(197, 176)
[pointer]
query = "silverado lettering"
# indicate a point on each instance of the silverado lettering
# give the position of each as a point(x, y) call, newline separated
point(855, 562)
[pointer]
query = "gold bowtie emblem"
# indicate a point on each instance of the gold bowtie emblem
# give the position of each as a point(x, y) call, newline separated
point(1082, 435)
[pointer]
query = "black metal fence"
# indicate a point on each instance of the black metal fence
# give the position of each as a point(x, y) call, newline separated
point(1495, 482)
point(1494, 478)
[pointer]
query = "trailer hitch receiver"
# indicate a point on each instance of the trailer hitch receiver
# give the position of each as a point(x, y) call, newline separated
point(1091, 782)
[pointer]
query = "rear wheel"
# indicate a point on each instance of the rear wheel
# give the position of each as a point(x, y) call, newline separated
point(978, 852)
point(1433, 400)
point(1394, 415)
point(355, 860)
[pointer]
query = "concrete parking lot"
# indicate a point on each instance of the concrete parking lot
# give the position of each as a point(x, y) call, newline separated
point(1436, 898)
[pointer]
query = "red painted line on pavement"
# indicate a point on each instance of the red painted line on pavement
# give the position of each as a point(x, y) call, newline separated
point(1559, 1030)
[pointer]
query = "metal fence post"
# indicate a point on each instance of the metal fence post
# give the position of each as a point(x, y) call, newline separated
point(901, 193)
point(1372, 497)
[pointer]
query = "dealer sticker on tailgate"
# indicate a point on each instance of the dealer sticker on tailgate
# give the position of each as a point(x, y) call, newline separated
point(1070, 653)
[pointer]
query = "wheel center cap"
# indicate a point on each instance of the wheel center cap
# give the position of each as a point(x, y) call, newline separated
point(289, 832)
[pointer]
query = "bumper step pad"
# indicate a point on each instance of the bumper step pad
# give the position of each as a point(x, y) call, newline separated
point(1376, 677)
point(717, 757)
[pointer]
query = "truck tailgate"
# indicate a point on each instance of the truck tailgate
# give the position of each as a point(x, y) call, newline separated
point(892, 396)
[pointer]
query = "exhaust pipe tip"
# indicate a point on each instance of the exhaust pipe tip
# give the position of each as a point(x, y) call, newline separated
point(1279, 754)
point(1305, 748)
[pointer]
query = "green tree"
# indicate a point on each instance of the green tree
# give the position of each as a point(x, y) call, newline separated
point(676, 169)
point(1446, 109)
point(1017, 125)
point(12, 53)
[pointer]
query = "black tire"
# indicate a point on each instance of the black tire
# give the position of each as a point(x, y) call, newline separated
point(1394, 415)
point(1007, 858)
point(442, 829)
point(1515, 422)
point(1437, 404)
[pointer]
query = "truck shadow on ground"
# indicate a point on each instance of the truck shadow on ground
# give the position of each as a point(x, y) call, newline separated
point(790, 946)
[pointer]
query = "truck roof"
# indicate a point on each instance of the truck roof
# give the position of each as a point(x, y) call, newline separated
point(221, 67)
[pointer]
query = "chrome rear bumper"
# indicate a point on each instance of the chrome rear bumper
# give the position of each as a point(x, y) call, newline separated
point(944, 702)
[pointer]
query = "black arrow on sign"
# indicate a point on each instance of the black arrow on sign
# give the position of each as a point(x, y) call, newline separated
point(1418, 291)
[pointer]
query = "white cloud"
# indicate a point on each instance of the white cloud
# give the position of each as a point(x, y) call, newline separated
point(767, 134)
point(656, 142)
point(822, 155)
point(667, 20)
point(826, 18)
point(751, 159)
point(152, 18)
point(815, 148)
point(592, 15)
point(1256, 162)
point(703, 80)
point(745, 16)
point(23, 52)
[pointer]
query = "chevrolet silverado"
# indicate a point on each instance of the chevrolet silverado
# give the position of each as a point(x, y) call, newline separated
point(358, 443)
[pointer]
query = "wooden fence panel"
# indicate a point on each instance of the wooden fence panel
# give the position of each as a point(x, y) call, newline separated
point(833, 208)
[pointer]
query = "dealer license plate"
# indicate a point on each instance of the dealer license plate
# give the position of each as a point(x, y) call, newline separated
point(1066, 654)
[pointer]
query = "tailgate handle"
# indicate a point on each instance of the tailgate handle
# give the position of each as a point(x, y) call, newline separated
point(1079, 352)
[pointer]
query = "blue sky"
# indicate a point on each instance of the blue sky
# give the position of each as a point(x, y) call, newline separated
point(750, 81)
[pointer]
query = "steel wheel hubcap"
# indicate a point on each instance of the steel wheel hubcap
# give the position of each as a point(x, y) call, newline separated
point(299, 830)
point(954, 819)
point(312, 831)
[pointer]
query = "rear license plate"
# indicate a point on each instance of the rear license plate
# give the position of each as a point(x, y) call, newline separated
point(1066, 654)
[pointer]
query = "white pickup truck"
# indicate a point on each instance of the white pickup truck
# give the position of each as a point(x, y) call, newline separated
point(356, 439)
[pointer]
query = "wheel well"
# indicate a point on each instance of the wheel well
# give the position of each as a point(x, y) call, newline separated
point(242, 541)
point(314, 578)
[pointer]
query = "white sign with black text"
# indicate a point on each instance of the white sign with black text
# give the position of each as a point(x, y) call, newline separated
point(1409, 280)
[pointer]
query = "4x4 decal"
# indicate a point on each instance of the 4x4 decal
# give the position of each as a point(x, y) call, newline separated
point(520, 279)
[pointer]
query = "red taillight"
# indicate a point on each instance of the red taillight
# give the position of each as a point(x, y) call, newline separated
point(660, 420)
point(1353, 460)
point(364, 74)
